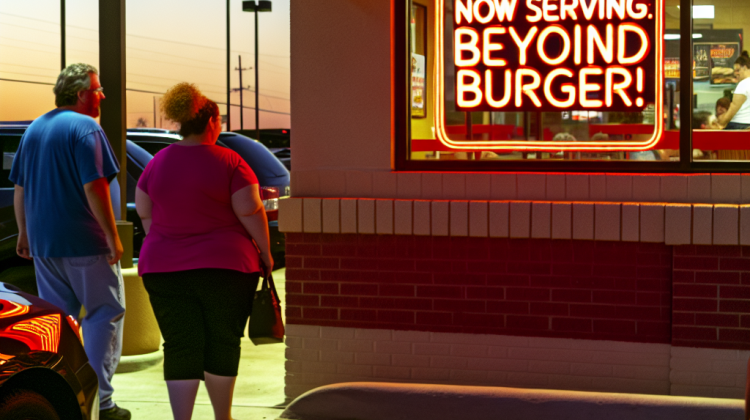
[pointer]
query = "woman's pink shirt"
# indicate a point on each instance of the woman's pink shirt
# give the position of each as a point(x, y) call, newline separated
point(192, 222)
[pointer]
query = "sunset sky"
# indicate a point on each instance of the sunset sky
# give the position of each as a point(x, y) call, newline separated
point(168, 41)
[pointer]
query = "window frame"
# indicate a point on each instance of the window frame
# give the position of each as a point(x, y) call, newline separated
point(401, 11)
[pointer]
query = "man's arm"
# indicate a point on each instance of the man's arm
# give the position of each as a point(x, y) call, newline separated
point(22, 245)
point(97, 194)
point(735, 106)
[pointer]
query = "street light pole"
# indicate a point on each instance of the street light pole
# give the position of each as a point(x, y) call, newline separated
point(62, 34)
point(260, 6)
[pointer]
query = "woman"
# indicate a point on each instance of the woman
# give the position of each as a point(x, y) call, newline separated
point(207, 239)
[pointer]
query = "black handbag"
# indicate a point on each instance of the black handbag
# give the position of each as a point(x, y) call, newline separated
point(266, 325)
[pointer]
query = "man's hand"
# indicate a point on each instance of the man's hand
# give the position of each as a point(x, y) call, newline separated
point(22, 246)
point(115, 250)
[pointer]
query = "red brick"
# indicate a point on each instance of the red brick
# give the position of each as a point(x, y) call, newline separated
point(320, 313)
point(562, 295)
point(571, 324)
point(690, 290)
point(527, 322)
point(649, 260)
point(396, 265)
point(653, 285)
point(605, 256)
point(618, 297)
point(545, 308)
point(358, 289)
point(694, 333)
point(400, 317)
point(293, 312)
point(415, 278)
point(486, 267)
point(339, 301)
point(504, 307)
point(528, 268)
point(745, 321)
point(696, 263)
point(684, 250)
point(717, 277)
point(561, 254)
point(311, 262)
point(680, 276)
point(459, 267)
point(683, 318)
point(459, 305)
point(297, 274)
point(420, 304)
point(338, 250)
point(741, 306)
point(650, 299)
point(717, 320)
point(719, 250)
point(627, 271)
point(745, 251)
point(560, 269)
point(608, 326)
point(638, 312)
point(396, 290)
point(440, 292)
point(478, 320)
point(654, 272)
point(377, 303)
point(734, 292)
point(493, 293)
point(626, 284)
point(692, 305)
point(550, 281)
point(739, 264)
point(653, 247)
point(659, 329)
point(462, 279)
point(302, 300)
point(358, 315)
point(321, 288)
point(302, 250)
point(311, 238)
point(593, 311)
point(293, 286)
point(745, 278)
point(359, 264)
point(526, 293)
point(371, 251)
point(293, 237)
point(340, 275)
point(508, 280)
point(293, 262)
point(434, 318)
point(728, 334)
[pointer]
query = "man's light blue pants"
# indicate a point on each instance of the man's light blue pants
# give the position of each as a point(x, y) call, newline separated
point(69, 282)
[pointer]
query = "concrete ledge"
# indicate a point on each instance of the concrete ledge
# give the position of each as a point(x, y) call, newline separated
point(139, 362)
point(387, 401)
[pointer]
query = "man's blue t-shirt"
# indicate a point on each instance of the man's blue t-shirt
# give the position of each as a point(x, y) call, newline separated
point(59, 153)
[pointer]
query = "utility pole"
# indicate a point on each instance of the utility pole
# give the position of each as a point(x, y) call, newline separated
point(241, 89)
point(257, 85)
point(62, 34)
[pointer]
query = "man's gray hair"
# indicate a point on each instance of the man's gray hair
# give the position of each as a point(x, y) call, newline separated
point(72, 79)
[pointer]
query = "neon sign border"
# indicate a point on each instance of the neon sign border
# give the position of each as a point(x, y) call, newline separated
point(533, 145)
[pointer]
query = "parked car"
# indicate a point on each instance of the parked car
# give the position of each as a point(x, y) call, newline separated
point(277, 140)
point(273, 177)
point(44, 371)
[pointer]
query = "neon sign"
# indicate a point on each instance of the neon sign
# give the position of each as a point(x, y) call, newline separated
point(549, 56)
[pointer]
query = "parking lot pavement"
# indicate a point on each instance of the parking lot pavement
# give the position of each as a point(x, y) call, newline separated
point(259, 393)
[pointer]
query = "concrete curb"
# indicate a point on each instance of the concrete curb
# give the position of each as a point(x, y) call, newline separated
point(390, 401)
point(139, 362)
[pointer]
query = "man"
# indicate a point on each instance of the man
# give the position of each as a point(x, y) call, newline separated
point(66, 224)
point(737, 116)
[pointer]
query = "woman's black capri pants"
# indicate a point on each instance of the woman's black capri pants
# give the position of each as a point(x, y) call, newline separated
point(202, 316)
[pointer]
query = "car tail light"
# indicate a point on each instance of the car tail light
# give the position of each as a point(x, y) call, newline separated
point(39, 333)
point(270, 197)
point(74, 325)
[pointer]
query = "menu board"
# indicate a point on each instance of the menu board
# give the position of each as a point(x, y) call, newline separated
point(418, 75)
point(672, 68)
point(722, 62)
point(701, 62)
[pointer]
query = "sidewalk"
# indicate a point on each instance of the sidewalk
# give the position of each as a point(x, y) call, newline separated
point(258, 395)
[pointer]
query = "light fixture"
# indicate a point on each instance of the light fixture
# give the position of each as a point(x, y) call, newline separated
point(703, 12)
point(672, 37)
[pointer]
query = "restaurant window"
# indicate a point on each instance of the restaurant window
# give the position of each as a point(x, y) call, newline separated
point(564, 85)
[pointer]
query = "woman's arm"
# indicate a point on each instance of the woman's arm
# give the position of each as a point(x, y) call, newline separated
point(143, 206)
point(735, 106)
point(249, 209)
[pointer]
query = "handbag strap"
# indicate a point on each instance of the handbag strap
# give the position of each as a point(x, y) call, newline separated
point(268, 283)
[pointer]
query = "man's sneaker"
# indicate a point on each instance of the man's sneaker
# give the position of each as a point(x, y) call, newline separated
point(114, 413)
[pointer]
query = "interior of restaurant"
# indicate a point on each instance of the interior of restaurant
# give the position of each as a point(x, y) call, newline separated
point(719, 27)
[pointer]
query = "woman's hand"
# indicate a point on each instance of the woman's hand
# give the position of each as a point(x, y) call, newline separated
point(267, 261)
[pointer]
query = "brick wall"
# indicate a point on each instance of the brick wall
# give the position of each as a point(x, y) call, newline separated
point(711, 297)
point(530, 287)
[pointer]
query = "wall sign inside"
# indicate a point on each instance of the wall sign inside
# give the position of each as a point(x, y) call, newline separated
point(549, 56)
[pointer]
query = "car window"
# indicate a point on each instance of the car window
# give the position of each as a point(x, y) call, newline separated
point(9, 144)
point(151, 147)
